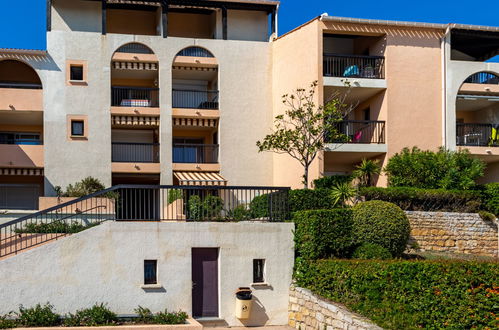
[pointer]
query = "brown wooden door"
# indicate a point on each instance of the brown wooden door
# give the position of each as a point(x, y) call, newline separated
point(205, 282)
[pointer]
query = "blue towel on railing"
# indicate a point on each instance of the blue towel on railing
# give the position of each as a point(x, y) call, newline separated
point(351, 71)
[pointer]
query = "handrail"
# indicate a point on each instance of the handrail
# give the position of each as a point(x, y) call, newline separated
point(353, 56)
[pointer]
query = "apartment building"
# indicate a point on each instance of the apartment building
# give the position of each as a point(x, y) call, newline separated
point(412, 84)
point(153, 93)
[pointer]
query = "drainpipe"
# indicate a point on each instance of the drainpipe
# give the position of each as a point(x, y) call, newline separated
point(444, 86)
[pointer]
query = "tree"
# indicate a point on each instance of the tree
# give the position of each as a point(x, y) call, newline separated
point(305, 127)
point(366, 170)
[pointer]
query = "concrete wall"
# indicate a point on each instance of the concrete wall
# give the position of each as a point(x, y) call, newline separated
point(309, 311)
point(464, 233)
point(247, 25)
point(105, 264)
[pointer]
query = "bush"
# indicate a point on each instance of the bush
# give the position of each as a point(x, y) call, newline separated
point(381, 223)
point(170, 317)
point(434, 170)
point(87, 186)
point(208, 209)
point(323, 233)
point(7, 322)
point(491, 197)
point(240, 213)
point(38, 316)
point(97, 315)
point(308, 199)
point(55, 227)
point(329, 182)
point(414, 199)
point(487, 216)
point(409, 294)
point(371, 251)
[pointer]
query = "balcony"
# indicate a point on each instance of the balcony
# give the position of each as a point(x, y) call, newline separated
point(354, 66)
point(361, 136)
point(22, 155)
point(195, 99)
point(140, 97)
point(123, 152)
point(190, 153)
point(21, 97)
point(477, 135)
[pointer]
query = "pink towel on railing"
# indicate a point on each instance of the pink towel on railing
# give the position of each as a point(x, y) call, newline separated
point(357, 136)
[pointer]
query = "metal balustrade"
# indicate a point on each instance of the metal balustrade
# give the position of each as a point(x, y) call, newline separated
point(483, 78)
point(124, 152)
point(194, 99)
point(360, 131)
point(354, 66)
point(477, 135)
point(134, 97)
point(195, 153)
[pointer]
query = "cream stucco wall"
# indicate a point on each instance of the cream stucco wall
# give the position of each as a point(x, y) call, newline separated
point(105, 264)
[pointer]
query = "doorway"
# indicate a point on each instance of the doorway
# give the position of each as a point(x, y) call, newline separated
point(204, 282)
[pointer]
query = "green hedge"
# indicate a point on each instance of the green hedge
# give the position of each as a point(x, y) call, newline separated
point(491, 197)
point(414, 199)
point(310, 199)
point(329, 182)
point(323, 233)
point(409, 294)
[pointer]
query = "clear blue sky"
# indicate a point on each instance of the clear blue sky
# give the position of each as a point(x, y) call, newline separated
point(23, 21)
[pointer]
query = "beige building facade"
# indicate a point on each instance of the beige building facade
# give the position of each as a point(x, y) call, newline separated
point(148, 93)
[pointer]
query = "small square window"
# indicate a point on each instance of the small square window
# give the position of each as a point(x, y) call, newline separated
point(258, 270)
point(76, 72)
point(77, 128)
point(150, 271)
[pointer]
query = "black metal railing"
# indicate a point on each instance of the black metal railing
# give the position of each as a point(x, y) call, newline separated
point(145, 203)
point(124, 152)
point(20, 85)
point(192, 99)
point(134, 97)
point(359, 131)
point(195, 51)
point(479, 135)
point(135, 48)
point(195, 153)
point(354, 66)
point(483, 78)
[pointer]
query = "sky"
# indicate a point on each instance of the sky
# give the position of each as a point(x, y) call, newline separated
point(24, 20)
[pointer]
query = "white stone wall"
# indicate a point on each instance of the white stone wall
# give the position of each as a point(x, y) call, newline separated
point(464, 233)
point(105, 264)
point(308, 311)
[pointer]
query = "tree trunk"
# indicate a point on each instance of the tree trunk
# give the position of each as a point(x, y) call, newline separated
point(305, 177)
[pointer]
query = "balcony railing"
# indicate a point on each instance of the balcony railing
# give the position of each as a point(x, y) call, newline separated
point(192, 99)
point(195, 153)
point(20, 85)
point(483, 78)
point(360, 131)
point(134, 97)
point(123, 152)
point(477, 135)
point(354, 66)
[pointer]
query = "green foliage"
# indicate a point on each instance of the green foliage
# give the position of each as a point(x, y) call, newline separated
point(487, 216)
point(491, 197)
point(145, 316)
point(55, 227)
point(414, 199)
point(240, 213)
point(328, 182)
point(259, 206)
point(7, 322)
point(310, 199)
point(87, 186)
point(343, 193)
point(38, 316)
point(208, 209)
point(371, 251)
point(409, 294)
point(381, 223)
point(173, 195)
point(299, 132)
point(434, 170)
point(323, 233)
point(366, 171)
point(97, 315)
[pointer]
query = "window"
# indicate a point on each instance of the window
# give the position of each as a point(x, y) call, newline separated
point(76, 72)
point(150, 272)
point(258, 270)
point(367, 114)
point(77, 128)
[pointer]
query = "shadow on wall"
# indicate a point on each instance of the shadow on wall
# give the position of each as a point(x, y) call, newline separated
point(258, 316)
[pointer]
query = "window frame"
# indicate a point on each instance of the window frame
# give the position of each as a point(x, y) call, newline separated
point(76, 66)
point(146, 279)
point(80, 121)
point(259, 271)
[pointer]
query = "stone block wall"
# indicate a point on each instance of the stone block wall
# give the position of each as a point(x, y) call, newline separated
point(465, 233)
point(308, 311)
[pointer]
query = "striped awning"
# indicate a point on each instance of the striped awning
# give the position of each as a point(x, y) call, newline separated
point(200, 179)
point(22, 171)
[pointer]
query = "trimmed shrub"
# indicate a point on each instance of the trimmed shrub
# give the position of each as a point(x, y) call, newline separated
point(96, 315)
point(38, 316)
point(381, 223)
point(323, 233)
point(491, 197)
point(7, 322)
point(208, 209)
point(434, 170)
point(414, 199)
point(55, 227)
point(409, 294)
point(329, 182)
point(371, 251)
point(145, 316)
point(308, 199)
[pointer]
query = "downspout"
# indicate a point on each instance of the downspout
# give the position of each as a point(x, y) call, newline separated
point(444, 86)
